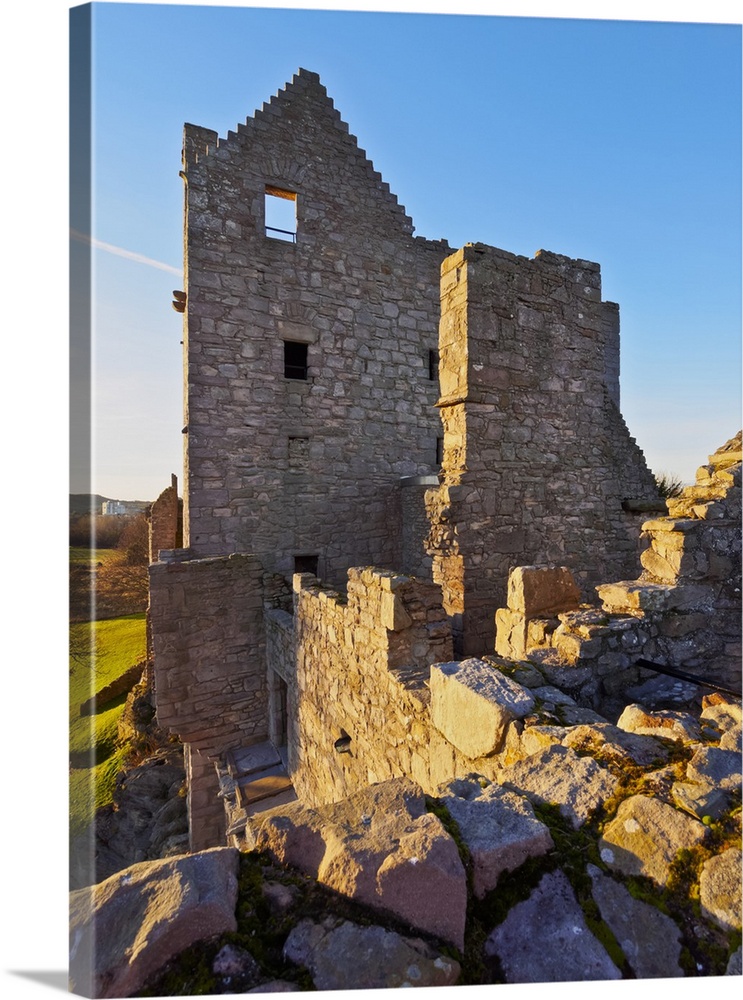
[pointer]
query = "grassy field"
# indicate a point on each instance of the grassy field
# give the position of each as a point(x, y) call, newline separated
point(81, 554)
point(109, 649)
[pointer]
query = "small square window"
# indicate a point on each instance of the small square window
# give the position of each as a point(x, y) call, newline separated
point(295, 360)
point(281, 214)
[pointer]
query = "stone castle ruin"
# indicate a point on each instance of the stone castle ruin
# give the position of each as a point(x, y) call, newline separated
point(405, 467)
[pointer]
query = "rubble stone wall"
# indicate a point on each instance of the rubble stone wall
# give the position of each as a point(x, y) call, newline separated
point(291, 466)
point(538, 465)
point(690, 585)
point(683, 611)
point(209, 645)
point(164, 521)
point(363, 661)
point(414, 559)
point(374, 671)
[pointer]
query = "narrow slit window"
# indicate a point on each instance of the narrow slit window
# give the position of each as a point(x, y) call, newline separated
point(433, 365)
point(295, 360)
point(439, 451)
point(281, 214)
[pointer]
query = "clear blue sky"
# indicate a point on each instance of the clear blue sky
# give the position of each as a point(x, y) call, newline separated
point(614, 141)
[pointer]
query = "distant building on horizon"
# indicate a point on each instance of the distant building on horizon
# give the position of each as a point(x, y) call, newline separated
point(122, 507)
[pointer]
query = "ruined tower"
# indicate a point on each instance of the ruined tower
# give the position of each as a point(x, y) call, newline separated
point(310, 339)
point(314, 423)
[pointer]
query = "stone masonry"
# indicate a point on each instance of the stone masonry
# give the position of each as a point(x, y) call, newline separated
point(376, 646)
point(302, 458)
point(165, 526)
point(207, 624)
point(684, 611)
point(317, 439)
point(538, 465)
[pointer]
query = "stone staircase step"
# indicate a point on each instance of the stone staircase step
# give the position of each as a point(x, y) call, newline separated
point(247, 760)
point(264, 805)
point(264, 785)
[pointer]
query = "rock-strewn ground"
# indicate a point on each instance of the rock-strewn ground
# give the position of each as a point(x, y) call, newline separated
point(594, 857)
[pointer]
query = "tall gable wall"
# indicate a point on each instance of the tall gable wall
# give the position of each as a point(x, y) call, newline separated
point(283, 466)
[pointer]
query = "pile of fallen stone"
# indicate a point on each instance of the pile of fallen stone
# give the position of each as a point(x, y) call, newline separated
point(608, 852)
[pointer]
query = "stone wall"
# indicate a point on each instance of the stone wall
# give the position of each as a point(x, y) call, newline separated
point(210, 670)
point(209, 637)
point(282, 692)
point(362, 668)
point(414, 526)
point(165, 528)
point(690, 585)
point(684, 610)
point(538, 465)
point(287, 467)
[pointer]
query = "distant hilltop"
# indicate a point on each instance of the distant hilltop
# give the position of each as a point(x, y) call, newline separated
point(86, 503)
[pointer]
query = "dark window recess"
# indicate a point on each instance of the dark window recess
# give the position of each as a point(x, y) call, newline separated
point(433, 365)
point(295, 360)
point(305, 564)
point(439, 451)
point(281, 214)
point(283, 713)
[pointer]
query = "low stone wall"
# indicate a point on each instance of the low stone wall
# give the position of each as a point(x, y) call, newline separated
point(377, 695)
point(363, 661)
point(115, 689)
point(210, 668)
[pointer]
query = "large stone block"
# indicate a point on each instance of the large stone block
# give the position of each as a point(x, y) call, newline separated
point(499, 829)
point(124, 930)
point(542, 591)
point(381, 848)
point(472, 705)
point(646, 835)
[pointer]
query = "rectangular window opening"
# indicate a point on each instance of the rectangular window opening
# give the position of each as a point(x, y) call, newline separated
point(439, 451)
point(433, 365)
point(281, 214)
point(295, 360)
point(306, 564)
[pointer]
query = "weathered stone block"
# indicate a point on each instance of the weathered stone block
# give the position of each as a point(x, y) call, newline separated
point(645, 837)
point(545, 939)
point(472, 704)
point(634, 596)
point(511, 630)
point(542, 591)
point(499, 828)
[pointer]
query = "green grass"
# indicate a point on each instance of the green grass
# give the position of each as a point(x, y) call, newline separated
point(115, 645)
point(118, 643)
point(91, 788)
point(82, 554)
